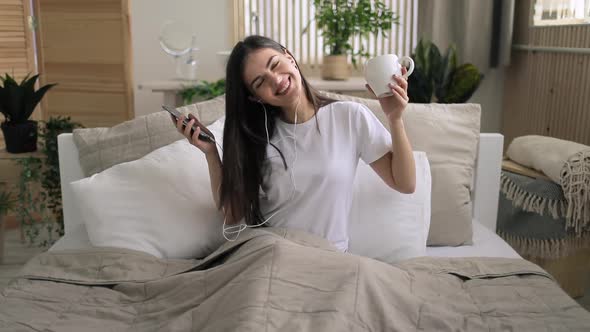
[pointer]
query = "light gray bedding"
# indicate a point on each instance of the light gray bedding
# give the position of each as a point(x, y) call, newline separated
point(279, 280)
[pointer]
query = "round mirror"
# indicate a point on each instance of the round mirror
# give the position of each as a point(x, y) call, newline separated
point(176, 38)
point(178, 41)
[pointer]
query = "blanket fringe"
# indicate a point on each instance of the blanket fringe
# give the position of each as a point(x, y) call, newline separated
point(575, 182)
point(529, 201)
point(549, 248)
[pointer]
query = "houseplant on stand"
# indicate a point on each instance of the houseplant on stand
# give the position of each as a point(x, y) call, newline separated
point(339, 20)
point(39, 208)
point(17, 103)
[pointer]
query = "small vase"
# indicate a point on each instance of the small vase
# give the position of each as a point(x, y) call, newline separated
point(20, 137)
point(335, 68)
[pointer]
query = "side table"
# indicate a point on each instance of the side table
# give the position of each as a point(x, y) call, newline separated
point(169, 88)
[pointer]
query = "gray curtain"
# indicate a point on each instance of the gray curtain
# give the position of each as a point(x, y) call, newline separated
point(481, 29)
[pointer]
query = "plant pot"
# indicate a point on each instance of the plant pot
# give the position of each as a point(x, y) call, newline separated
point(335, 68)
point(20, 137)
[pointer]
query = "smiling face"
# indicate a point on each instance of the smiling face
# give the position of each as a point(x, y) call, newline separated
point(271, 76)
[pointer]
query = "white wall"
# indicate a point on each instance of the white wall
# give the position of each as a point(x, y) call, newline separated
point(468, 24)
point(210, 20)
point(490, 95)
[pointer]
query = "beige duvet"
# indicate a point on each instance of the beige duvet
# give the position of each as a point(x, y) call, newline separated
point(282, 281)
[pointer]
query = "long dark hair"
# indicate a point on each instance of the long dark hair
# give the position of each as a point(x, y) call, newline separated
point(244, 135)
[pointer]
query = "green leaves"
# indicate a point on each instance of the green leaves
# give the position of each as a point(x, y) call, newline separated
point(444, 78)
point(438, 75)
point(420, 87)
point(46, 204)
point(30, 203)
point(18, 101)
point(51, 181)
point(7, 203)
point(339, 20)
point(205, 91)
point(465, 80)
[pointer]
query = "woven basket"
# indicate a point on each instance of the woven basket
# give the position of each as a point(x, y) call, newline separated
point(335, 68)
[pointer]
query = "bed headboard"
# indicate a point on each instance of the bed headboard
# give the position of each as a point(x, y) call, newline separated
point(486, 183)
point(69, 171)
point(485, 193)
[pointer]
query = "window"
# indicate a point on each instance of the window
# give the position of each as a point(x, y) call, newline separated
point(17, 56)
point(17, 43)
point(561, 12)
point(283, 21)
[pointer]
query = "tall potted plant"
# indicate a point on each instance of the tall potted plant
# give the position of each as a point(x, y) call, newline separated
point(17, 103)
point(338, 21)
point(440, 78)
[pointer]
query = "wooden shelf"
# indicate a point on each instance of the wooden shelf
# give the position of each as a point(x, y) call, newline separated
point(12, 156)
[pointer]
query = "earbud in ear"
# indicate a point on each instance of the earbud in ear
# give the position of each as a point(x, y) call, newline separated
point(258, 100)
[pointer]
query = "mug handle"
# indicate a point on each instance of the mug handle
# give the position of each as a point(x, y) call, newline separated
point(411, 69)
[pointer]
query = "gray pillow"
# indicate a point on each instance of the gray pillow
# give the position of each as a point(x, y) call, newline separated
point(101, 148)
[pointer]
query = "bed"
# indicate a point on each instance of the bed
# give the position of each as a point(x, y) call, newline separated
point(287, 280)
point(485, 201)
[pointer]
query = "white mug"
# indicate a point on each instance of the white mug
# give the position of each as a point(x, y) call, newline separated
point(380, 69)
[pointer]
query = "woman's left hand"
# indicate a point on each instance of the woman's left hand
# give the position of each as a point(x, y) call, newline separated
point(393, 106)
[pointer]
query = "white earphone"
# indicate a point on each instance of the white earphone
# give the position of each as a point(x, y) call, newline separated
point(237, 229)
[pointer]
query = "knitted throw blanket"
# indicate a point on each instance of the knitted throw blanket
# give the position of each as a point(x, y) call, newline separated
point(542, 197)
point(531, 218)
point(567, 164)
point(575, 181)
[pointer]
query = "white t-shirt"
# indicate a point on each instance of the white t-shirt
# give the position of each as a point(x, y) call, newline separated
point(324, 170)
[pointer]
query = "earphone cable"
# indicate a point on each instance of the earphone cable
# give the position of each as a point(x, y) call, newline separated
point(241, 227)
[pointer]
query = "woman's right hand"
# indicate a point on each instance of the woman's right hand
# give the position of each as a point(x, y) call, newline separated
point(205, 146)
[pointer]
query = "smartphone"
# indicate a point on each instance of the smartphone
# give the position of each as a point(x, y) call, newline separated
point(203, 135)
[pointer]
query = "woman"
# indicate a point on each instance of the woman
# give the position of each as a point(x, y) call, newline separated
point(289, 154)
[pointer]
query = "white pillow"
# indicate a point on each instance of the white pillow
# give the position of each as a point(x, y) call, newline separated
point(160, 204)
point(387, 225)
point(75, 238)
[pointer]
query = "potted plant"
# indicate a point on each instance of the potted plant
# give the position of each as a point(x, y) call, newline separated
point(7, 204)
point(203, 91)
point(440, 79)
point(17, 103)
point(338, 21)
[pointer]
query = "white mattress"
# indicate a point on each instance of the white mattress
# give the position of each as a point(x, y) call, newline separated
point(485, 244)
